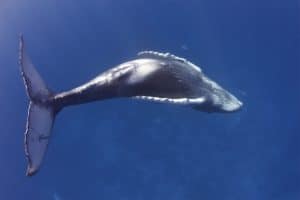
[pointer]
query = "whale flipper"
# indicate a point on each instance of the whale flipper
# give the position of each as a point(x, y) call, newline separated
point(40, 113)
point(177, 101)
point(167, 57)
point(159, 55)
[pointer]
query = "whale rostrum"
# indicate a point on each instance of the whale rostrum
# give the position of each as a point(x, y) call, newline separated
point(152, 76)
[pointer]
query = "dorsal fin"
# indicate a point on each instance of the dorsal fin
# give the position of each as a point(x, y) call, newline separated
point(166, 56)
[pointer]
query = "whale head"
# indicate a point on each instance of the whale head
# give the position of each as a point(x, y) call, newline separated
point(163, 77)
point(217, 99)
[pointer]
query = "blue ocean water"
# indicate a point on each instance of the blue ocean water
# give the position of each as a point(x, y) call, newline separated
point(124, 149)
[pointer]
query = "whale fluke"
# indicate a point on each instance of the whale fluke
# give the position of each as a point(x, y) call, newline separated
point(41, 113)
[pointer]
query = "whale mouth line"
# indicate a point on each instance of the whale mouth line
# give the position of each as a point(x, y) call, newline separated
point(179, 101)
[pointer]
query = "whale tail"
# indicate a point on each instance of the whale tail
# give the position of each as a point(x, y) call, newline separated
point(41, 113)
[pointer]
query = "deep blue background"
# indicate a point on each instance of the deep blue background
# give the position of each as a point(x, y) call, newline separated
point(124, 149)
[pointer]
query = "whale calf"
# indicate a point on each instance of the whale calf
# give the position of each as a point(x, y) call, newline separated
point(152, 76)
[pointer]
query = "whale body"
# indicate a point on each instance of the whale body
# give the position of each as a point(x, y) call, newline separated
point(152, 76)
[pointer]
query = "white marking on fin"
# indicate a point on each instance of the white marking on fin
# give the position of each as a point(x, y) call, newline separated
point(168, 56)
point(179, 101)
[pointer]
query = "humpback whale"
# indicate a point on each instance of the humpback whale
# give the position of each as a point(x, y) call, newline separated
point(152, 76)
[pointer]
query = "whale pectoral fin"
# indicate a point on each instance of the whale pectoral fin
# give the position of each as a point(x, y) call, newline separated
point(178, 101)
